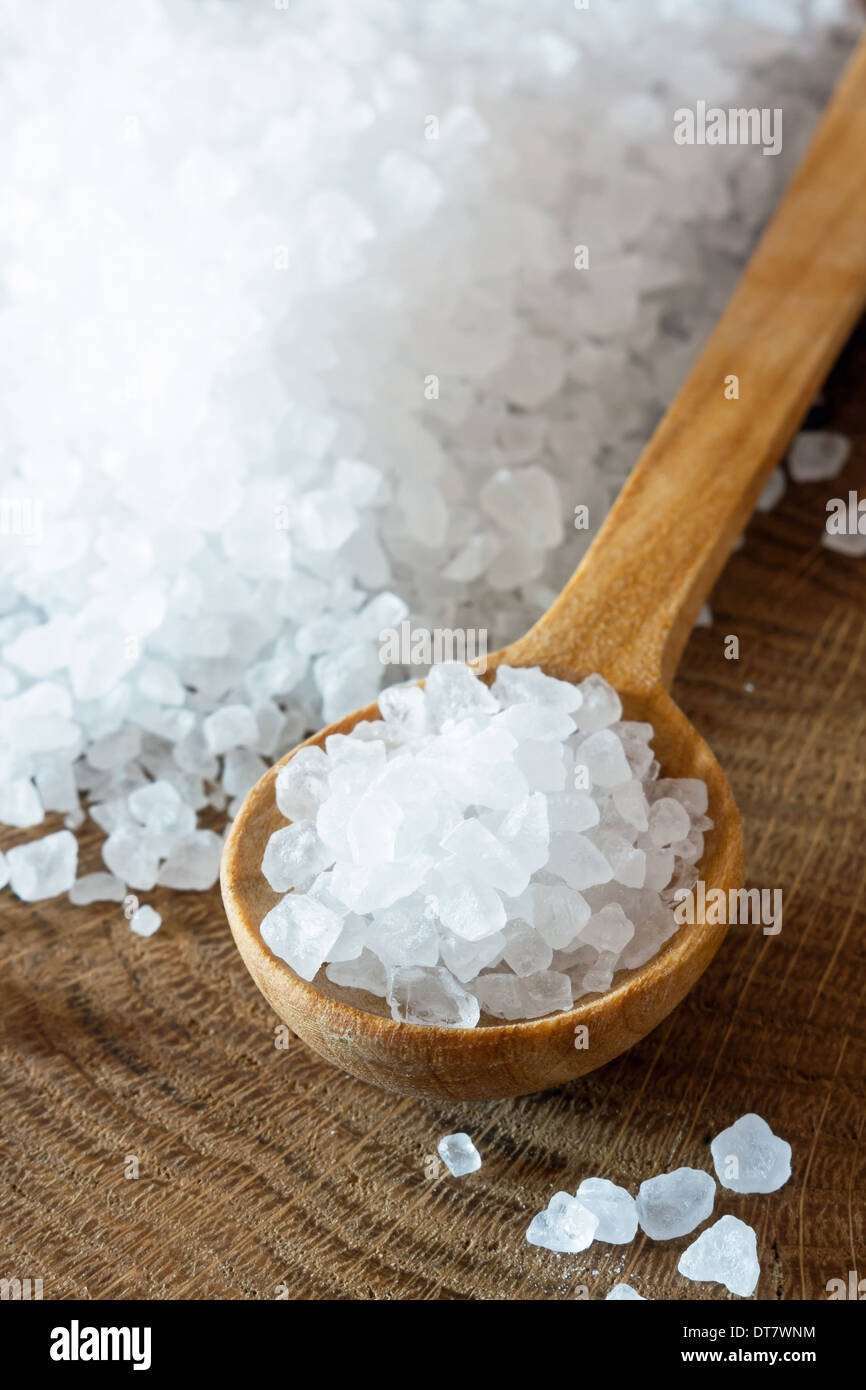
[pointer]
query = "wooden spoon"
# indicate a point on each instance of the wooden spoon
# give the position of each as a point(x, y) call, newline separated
point(627, 614)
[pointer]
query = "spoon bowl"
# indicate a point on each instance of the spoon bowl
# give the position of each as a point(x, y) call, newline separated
point(354, 1029)
point(626, 614)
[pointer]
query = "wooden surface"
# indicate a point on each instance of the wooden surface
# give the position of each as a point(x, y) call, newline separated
point(262, 1167)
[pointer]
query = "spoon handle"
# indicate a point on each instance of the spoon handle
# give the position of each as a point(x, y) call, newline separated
point(629, 608)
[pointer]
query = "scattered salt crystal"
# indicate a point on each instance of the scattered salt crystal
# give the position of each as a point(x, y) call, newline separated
point(194, 862)
point(749, 1157)
point(145, 921)
point(459, 1154)
point(233, 726)
point(615, 1208)
point(816, 455)
point(566, 1225)
point(673, 1204)
point(725, 1253)
point(43, 868)
point(624, 1293)
point(97, 888)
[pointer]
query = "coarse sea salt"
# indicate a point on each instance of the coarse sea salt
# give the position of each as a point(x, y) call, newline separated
point(500, 849)
point(459, 1154)
point(749, 1157)
point(374, 390)
point(725, 1253)
point(673, 1204)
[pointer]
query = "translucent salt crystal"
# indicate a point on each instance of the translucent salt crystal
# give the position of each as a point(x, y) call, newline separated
point(599, 976)
point(159, 808)
point(624, 1293)
point(470, 910)
point(525, 950)
point(410, 189)
point(115, 749)
point(452, 692)
point(673, 1204)
point(627, 861)
point(43, 868)
point(301, 931)
point(749, 1157)
point(97, 888)
point(559, 914)
point(614, 1207)
point(130, 856)
point(608, 929)
point(725, 1253)
point(705, 613)
point(194, 862)
point(602, 753)
point(431, 996)
point(688, 791)
point(569, 810)
point(648, 939)
point(533, 996)
point(525, 501)
point(466, 959)
point(479, 853)
point(524, 832)
point(233, 726)
point(459, 1154)
point(403, 933)
point(816, 455)
point(519, 685)
point(405, 706)
point(600, 705)
point(20, 804)
point(631, 803)
point(366, 972)
point(363, 889)
point(294, 855)
point(577, 860)
point(566, 1225)
point(668, 821)
point(145, 921)
point(302, 784)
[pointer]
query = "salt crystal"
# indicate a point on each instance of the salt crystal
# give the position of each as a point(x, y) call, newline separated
point(293, 856)
point(816, 455)
point(749, 1157)
point(233, 726)
point(43, 868)
point(145, 921)
point(624, 1293)
point(459, 1154)
point(366, 972)
point(194, 862)
point(602, 753)
point(673, 1204)
point(301, 931)
point(97, 888)
point(668, 821)
point(566, 1225)
point(725, 1253)
point(431, 996)
point(600, 705)
point(615, 1208)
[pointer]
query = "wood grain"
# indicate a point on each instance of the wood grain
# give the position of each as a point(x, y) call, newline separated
point(262, 1167)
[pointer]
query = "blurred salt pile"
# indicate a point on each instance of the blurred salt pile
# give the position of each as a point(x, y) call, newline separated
point(294, 345)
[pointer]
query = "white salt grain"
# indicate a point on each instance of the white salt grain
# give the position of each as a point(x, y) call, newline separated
point(566, 1225)
point(615, 1208)
point(749, 1157)
point(145, 921)
point(43, 868)
point(816, 455)
point(97, 888)
point(725, 1253)
point(673, 1204)
point(459, 1154)
point(624, 1293)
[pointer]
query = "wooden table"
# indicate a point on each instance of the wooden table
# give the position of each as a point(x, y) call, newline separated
point(262, 1172)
